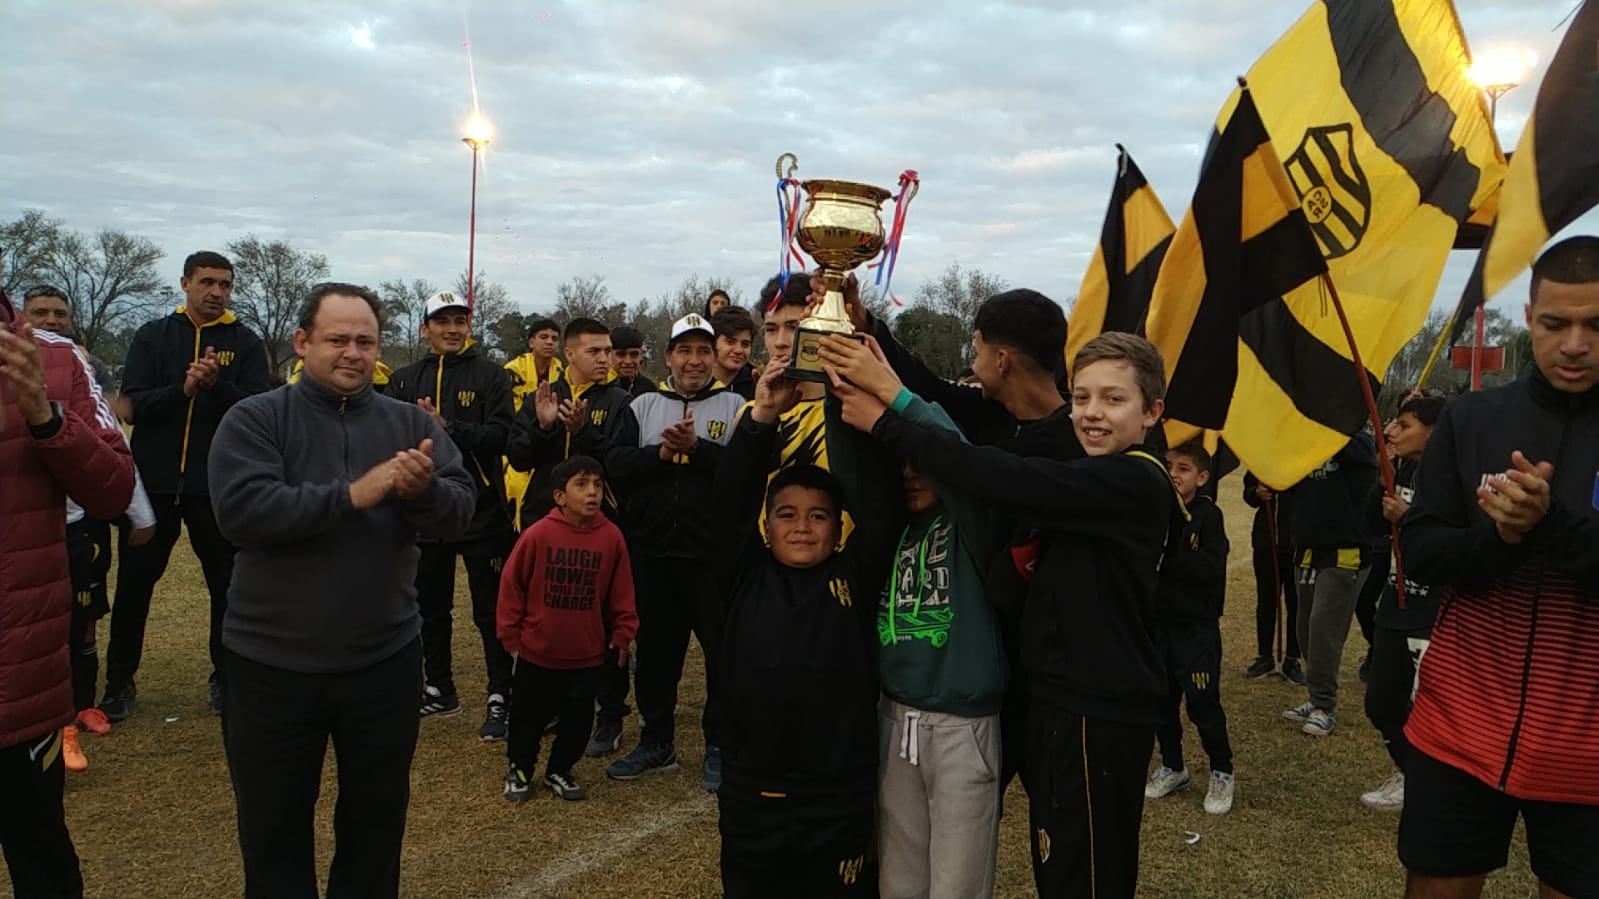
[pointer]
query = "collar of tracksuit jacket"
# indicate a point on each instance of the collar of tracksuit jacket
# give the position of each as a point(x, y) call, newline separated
point(331, 401)
point(1554, 399)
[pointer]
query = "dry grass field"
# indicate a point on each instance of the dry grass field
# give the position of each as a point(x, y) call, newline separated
point(153, 816)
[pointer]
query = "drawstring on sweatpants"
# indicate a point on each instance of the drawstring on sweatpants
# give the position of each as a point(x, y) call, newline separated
point(910, 742)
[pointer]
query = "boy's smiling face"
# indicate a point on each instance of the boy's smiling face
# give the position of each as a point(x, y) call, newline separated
point(802, 526)
point(1186, 476)
point(1108, 410)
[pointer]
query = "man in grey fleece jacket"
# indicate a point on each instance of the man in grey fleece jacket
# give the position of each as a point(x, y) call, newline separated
point(325, 486)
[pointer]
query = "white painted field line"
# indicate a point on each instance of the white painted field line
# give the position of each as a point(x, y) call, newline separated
point(607, 848)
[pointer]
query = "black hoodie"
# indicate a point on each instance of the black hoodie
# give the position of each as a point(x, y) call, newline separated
point(1328, 529)
point(1193, 576)
point(1087, 624)
point(532, 448)
point(172, 432)
point(473, 394)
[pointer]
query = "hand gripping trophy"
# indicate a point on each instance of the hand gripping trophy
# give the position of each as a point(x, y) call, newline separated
point(840, 228)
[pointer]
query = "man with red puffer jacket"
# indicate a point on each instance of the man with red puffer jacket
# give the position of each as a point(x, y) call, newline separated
point(57, 439)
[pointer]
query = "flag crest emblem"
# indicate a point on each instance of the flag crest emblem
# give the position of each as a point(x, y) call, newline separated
point(1332, 188)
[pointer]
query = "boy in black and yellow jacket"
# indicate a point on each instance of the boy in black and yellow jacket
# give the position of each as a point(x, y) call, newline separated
point(1193, 587)
point(1088, 643)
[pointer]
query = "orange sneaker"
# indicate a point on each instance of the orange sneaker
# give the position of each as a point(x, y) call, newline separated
point(94, 721)
point(71, 754)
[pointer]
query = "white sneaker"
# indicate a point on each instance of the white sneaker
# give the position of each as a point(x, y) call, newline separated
point(1388, 797)
point(1164, 782)
point(1299, 713)
point(1219, 799)
point(1320, 723)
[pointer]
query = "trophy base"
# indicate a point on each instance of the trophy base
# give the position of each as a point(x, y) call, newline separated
point(806, 363)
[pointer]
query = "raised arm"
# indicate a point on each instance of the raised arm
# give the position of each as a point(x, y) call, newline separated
point(490, 435)
point(83, 447)
point(443, 511)
point(626, 461)
point(253, 376)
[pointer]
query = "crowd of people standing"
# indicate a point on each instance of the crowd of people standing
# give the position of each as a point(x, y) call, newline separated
point(907, 591)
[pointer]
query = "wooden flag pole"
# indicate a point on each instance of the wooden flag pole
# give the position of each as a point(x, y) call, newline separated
point(1437, 349)
point(1383, 462)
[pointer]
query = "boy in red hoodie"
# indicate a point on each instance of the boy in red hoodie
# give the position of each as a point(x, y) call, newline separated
point(565, 612)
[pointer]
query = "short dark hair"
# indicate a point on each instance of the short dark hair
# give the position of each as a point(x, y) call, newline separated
point(1426, 409)
point(205, 259)
point(577, 327)
point(797, 293)
point(1149, 369)
point(1026, 321)
point(718, 292)
point(542, 324)
point(44, 290)
point(563, 473)
point(319, 292)
point(1195, 452)
point(732, 320)
point(1574, 260)
point(811, 477)
point(627, 337)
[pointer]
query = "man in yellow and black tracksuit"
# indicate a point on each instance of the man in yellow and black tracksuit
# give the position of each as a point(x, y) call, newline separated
point(539, 364)
point(470, 397)
point(183, 372)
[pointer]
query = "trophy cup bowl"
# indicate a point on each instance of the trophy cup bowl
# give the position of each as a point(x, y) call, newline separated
point(841, 228)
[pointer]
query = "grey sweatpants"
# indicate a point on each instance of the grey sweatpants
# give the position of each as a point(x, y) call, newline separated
point(1326, 609)
point(938, 803)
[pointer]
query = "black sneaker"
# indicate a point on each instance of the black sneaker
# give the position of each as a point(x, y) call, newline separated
point(1365, 668)
point(517, 788)
point(120, 703)
point(711, 774)
point(607, 739)
point(215, 702)
point(1260, 667)
point(648, 758)
point(1293, 672)
point(496, 724)
point(564, 786)
point(438, 704)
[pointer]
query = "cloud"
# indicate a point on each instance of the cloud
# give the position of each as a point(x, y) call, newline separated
point(632, 139)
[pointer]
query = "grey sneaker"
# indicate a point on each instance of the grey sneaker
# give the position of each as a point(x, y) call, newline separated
point(1165, 782)
point(496, 723)
point(607, 739)
point(1388, 797)
point(1320, 723)
point(564, 786)
point(1299, 713)
point(711, 774)
point(647, 759)
point(120, 703)
point(517, 789)
point(1219, 799)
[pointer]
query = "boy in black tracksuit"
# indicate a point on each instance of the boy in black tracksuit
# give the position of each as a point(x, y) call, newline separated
point(470, 396)
point(1087, 635)
point(1272, 556)
point(1193, 588)
point(183, 372)
point(799, 671)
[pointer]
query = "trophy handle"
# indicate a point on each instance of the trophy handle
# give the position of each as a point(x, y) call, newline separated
point(793, 165)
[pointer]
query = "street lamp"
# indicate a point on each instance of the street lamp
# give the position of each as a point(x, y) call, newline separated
point(1496, 72)
point(477, 134)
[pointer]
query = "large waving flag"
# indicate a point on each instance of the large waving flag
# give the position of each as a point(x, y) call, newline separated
point(1554, 175)
point(1121, 276)
point(1388, 145)
point(1242, 245)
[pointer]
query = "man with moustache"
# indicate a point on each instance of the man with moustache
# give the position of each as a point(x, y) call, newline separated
point(469, 396)
point(662, 460)
point(326, 489)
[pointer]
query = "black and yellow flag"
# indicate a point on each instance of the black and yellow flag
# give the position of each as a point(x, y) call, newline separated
point(1242, 245)
point(1554, 176)
point(1388, 145)
point(1121, 276)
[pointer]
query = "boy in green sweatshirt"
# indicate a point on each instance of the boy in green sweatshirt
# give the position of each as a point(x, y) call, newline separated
point(943, 674)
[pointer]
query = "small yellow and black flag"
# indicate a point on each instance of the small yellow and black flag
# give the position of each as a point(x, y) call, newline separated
point(1388, 145)
point(1121, 276)
point(1554, 175)
point(1242, 245)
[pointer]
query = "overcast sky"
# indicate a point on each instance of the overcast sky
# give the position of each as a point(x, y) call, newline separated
point(633, 140)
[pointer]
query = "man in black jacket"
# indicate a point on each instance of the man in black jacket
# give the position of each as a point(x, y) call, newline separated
point(627, 360)
point(183, 373)
point(469, 396)
point(326, 487)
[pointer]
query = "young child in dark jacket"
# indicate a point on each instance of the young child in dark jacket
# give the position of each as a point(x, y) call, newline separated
point(1188, 604)
point(566, 612)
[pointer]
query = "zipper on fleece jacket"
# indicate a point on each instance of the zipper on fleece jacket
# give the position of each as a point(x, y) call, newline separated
point(1532, 635)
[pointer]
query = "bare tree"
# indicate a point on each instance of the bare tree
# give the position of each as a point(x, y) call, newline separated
point(491, 302)
point(26, 244)
point(270, 281)
point(404, 307)
point(958, 292)
point(107, 276)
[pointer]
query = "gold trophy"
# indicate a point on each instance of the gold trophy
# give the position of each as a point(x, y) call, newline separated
point(841, 228)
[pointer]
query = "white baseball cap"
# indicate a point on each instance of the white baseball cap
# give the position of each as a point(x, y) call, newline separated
point(689, 324)
point(439, 302)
